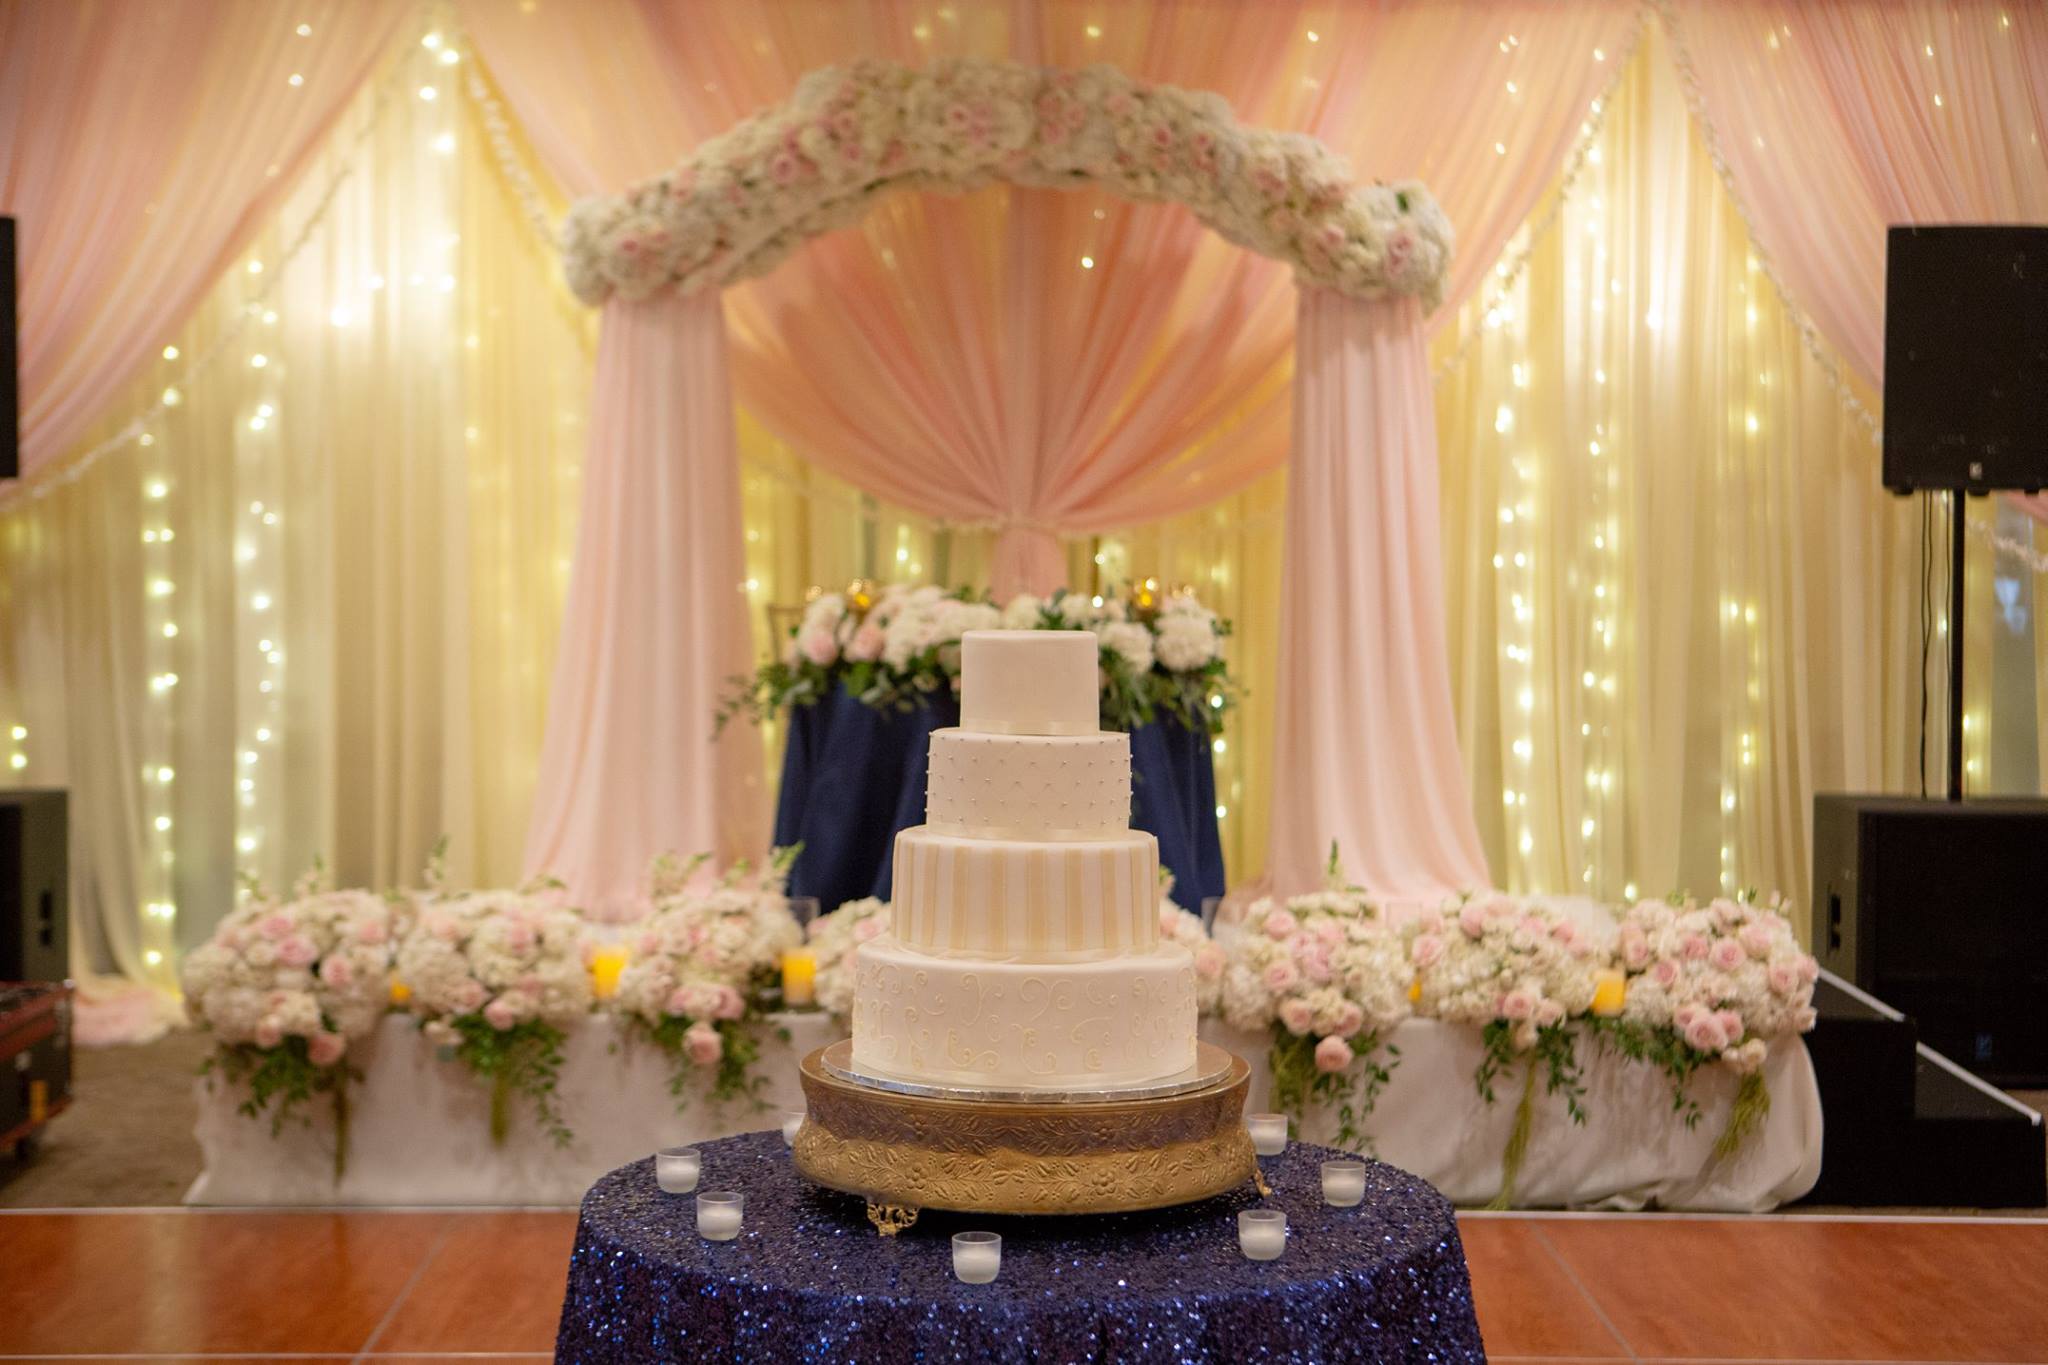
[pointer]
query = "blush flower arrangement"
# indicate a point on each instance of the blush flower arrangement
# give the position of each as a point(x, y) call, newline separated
point(286, 984)
point(703, 968)
point(833, 937)
point(748, 197)
point(897, 646)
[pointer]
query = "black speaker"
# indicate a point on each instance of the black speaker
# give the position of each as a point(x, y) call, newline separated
point(1937, 908)
point(35, 890)
point(1966, 358)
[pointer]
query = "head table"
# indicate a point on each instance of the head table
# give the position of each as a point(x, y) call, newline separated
point(809, 1279)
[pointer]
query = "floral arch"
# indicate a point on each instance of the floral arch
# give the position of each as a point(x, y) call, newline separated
point(747, 198)
point(656, 619)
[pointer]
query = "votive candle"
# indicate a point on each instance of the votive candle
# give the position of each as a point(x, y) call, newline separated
point(1343, 1183)
point(1262, 1233)
point(676, 1169)
point(977, 1256)
point(1269, 1133)
point(792, 1119)
point(607, 962)
point(799, 977)
point(718, 1215)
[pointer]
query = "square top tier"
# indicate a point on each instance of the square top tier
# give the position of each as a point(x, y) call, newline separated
point(1030, 682)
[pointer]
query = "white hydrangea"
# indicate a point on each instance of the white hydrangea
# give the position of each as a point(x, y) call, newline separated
point(833, 938)
point(1186, 642)
point(507, 956)
point(1130, 642)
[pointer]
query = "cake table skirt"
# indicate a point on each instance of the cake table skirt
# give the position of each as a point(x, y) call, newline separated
point(809, 1279)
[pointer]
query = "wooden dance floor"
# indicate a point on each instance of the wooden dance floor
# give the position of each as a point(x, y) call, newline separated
point(165, 1284)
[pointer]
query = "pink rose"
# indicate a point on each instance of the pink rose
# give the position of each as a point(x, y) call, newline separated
point(1350, 1019)
point(1726, 955)
point(444, 928)
point(1209, 962)
point(1282, 976)
point(1329, 931)
point(297, 951)
point(1535, 926)
point(868, 929)
point(1635, 947)
point(1731, 1024)
point(867, 642)
point(519, 939)
point(469, 996)
point(1809, 970)
point(1757, 939)
point(1297, 1016)
point(702, 1045)
point(337, 972)
point(325, 1049)
point(698, 1000)
point(1665, 973)
point(1333, 1054)
point(1685, 1014)
point(1472, 919)
point(1704, 1034)
point(275, 926)
point(1427, 950)
point(1518, 1004)
point(1693, 947)
point(731, 1004)
point(1280, 923)
point(1316, 966)
point(269, 1033)
point(1784, 978)
point(1549, 1012)
point(499, 1014)
point(1169, 920)
point(372, 931)
point(817, 645)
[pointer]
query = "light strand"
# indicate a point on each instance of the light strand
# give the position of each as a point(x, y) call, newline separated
point(511, 166)
point(40, 486)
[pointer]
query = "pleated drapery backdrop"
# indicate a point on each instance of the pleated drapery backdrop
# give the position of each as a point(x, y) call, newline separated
point(396, 482)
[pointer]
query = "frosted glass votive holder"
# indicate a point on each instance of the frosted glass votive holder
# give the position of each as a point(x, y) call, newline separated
point(1343, 1183)
point(718, 1215)
point(676, 1169)
point(792, 1119)
point(977, 1256)
point(1262, 1233)
point(1269, 1133)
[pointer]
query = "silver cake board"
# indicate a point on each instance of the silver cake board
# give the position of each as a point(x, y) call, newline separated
point(1212, 1064)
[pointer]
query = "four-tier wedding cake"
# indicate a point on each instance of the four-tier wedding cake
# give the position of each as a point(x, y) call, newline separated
point(1025, 952)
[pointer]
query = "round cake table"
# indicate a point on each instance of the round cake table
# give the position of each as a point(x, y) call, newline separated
point(809, 1279)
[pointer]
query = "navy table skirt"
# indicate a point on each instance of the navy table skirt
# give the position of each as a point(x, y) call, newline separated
point(853, 776)
point(808, 1280)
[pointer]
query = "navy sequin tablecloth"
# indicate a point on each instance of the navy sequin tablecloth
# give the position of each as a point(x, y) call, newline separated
point(809, 1279)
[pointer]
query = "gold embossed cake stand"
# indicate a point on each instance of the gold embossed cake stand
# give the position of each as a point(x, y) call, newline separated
point(905, 1148)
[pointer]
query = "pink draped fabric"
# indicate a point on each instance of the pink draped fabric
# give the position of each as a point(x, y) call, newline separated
point(145, 143)
point(1366, 745)
point(654, 622)
point(1840, 119)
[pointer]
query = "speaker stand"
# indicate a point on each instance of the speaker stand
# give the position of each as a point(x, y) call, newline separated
point(1955, 644)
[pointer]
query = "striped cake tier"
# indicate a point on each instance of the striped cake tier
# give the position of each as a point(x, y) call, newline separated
point(1023, 898)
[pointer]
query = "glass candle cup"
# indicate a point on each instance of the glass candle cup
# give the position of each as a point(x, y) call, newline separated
point(676, 1169)
point(977, 1256)
point(718, 1215)
point(792, 1119)
point(1269, 1133)
point(1343, 1183)
point(1262, 1233)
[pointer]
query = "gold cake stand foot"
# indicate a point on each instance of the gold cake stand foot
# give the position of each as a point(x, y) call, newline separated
point(904, 1153)
point(1258, 1178)
point(890, 1219)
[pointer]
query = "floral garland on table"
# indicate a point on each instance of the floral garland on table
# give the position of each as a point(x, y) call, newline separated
point(896, 646)
point(286, 985)
point(748, 197)
point(704, 971)
point(495, 978)
point(1679, 986)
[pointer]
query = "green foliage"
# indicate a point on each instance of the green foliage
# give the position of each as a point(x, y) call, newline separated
point(1752, 1107)
point(732, 1079)
point(1663, 1048)
point(280, 1081)
point(1555, 1051)
point(1353, 1091)
point(524, 1060)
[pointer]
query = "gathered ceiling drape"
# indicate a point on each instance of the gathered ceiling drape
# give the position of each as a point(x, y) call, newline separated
point(166, 135)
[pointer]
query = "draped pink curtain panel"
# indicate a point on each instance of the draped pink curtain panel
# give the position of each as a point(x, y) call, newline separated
point(1365, 744)
point(654, 623)
point(144, 145)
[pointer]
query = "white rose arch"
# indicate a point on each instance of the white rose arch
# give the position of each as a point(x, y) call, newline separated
point(1365, 749)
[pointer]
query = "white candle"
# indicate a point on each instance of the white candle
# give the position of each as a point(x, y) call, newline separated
point(977, 1256)
point(792, 1119)
point(1262, 1233)
point(675, 1169)
point(718, 1215)
point(1343, 1183)
point(1269, 1133)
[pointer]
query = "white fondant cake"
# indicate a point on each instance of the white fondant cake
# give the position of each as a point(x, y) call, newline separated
point(1025, 950)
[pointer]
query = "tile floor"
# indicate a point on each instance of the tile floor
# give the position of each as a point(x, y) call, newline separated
point(175, 1285)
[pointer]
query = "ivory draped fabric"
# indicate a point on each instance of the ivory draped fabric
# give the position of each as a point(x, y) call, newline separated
point(1365, 732)
point(165, 135)
point(655, 621)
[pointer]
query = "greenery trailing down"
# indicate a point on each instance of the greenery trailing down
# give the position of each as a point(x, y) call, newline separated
point(1512, 1155)
point(1353, 1091)
point(732, 1079)
point(1555, 1050)
point(1664, 1048)
point(525, 1059)
point(282, 1079)
point(1752, 1107)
